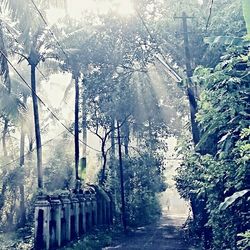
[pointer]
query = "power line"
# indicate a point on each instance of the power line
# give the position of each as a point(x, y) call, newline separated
point(45, 105)
point(31, 151)
point(45, 78)
point(51, 32)
point(164, 62)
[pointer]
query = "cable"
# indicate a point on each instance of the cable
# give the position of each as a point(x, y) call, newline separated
point(31, 151)
point(51, 32)
point(45, 78)
point(173, 73)
point(165, 63)
point(54, 115)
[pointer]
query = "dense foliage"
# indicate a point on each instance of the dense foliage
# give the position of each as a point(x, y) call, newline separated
point(102, 75)
point(219, 168)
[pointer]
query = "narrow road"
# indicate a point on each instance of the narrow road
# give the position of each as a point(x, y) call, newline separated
point(164, 235)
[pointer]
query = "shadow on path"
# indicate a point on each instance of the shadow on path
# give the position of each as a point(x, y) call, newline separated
point(164, 235)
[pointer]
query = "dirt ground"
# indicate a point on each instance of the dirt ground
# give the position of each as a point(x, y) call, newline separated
point(165, 235)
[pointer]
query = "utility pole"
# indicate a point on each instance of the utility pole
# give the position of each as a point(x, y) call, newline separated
point(191, 93)
point(124, 222)
point(76, 126)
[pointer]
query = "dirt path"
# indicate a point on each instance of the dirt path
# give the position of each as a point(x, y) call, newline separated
point(165, 235)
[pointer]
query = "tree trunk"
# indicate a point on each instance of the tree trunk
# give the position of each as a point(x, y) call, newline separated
point(37, 126)
point(21, 163)
point(126, 138)
point(193, 111)
point(104, 157)
point(2, 195)
point(83, 163)
point(124, 221)
point(76, 127)
point(151, 138)
point(112, 141)
point(5, 131)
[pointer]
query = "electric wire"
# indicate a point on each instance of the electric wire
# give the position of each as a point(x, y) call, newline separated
point(164, 62)
point(40, 72)
point(31, 151)
point(51, 32)
point(172, 72)
point(44, 104)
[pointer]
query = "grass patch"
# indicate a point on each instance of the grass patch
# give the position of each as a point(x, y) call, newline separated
point(95, 240)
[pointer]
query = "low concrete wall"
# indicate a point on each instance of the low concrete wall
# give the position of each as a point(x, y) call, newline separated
point(62, 218)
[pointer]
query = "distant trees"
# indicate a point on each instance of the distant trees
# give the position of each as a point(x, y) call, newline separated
point(118, 81)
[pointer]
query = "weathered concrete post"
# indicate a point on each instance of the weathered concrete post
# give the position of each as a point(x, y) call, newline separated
point(88, 212)
point(75, 217)
point(66, 204)
point(108, 212)
point(104, 211)
point(82, 211)
point(56, 205)
point(100, 211)
point(94, 210)
point(110, 209)
point(42, 219)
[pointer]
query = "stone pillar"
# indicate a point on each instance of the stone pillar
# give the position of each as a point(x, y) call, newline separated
point(108, 212)
point(99, 211)
point(112, 209)
point(82, 212)
point(56, 205)
point(75, 213)
point(94, 210)
point(42, 219)
point(104, 211)
point(88, 213)
point(66, 204)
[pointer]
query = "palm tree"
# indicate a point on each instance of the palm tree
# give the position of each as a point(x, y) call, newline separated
point(33, 48)
point(4, 72)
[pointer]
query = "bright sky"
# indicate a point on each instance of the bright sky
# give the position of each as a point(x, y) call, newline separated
point(77, 8)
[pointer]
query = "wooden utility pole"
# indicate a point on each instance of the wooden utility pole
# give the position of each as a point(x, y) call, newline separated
point(191, 93)
point(83, 162)
point(76, 127)
point(124, 222)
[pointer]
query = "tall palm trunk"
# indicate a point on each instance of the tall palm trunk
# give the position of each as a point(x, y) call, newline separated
point(126, 138)
point(124, 220)
point(84, 132)
point(5, 131)
point(76, 127)
point(21, 163)
point(37, 126)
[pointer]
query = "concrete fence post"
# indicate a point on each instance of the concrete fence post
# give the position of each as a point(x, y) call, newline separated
point(66, 206)
point(60, 219)
point(94, 210)
point(74, 217)
point(42, 219)
point(82, 214)
point(55, 221)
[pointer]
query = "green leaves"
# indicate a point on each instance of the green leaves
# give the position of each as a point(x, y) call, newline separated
point(222, 167)
point(224, 40)
point(233, 198)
